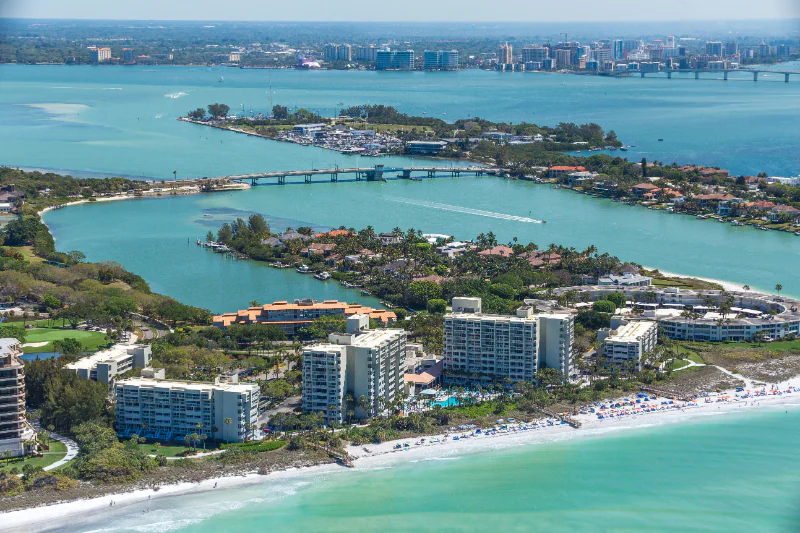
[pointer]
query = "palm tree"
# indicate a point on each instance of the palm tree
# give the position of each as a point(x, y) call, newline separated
point(779, 288)
point(746, 288)
point(227, 422)
point(203, 437)
point(214, 431)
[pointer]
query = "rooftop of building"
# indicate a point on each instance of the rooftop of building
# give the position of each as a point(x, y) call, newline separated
point(252, 313)
point(115, 353)
point(632, 331)
point(187, 385)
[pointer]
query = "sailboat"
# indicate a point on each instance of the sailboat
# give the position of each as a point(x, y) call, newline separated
point(221, 79)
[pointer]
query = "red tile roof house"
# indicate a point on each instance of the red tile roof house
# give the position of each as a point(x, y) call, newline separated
point(707, 201)
point(784, 210)
point(502, 250)
point(643, 188)
point(557, 171)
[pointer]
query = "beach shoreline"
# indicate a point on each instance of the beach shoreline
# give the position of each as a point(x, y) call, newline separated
point(380, 455)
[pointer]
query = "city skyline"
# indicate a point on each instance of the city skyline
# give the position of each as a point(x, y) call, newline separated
point(447, 10)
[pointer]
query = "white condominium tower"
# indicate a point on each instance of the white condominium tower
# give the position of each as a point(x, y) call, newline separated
point(170, 410)
point(368, 364)
point(484, 348)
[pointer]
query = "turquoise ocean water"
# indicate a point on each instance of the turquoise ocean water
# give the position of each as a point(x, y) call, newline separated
point(737, 473)
point(728, 474)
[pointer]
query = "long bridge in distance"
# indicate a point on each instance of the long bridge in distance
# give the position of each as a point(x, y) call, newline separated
point(376, 173)
point(698, 71)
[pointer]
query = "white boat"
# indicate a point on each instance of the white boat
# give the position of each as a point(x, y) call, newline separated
point(303, 269)
point(221, 79)
point(322, 276)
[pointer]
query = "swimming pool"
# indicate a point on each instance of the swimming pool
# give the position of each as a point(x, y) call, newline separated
point(450, 402)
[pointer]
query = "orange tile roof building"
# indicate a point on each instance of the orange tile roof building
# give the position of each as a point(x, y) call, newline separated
point(291, 316)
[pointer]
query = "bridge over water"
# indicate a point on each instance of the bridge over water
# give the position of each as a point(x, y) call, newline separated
point(698, 71)
point(376, 173)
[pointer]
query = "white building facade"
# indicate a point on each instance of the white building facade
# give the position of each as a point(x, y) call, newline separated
point(367, 364)
point(484, 348)
point(630, 342)
point(105, 365)
point(169, 410)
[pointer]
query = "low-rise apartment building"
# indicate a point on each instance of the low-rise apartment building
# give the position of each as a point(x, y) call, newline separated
point(292, 316)
point(169, 410)
point(368, 365)
point(105, 365)
point(630, 342)
point(14, 430)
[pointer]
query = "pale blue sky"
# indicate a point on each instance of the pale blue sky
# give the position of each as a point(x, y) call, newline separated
point(405, 10)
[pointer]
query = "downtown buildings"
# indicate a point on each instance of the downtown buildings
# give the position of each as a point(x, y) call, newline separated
point(394, 60)
point(485, 348)
point(356, 373)
point(14, 429)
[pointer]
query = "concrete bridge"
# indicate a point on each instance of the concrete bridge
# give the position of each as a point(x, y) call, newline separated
point(376, 173)
point(724, 72)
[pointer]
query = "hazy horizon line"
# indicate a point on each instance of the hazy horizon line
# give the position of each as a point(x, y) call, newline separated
point(570, 21)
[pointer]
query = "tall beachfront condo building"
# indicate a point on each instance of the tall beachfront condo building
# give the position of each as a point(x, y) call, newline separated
point(394, 60)
point(169, 410)
point(14, 430)
point(535, 54)
point(731, 48)
point(484, 348)
point(365, 53)
point(630, 342)
point(367, 365)
point(440, 59)
point(331, 52)
point(631, 45)
point(714, 48)
point(505, 54)
point(98, 55)
point(345, 52)
point(105, 365)
point(128, 56)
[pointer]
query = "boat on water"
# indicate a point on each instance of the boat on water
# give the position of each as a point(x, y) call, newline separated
point(303, 269)
point(624, 149)
point(797, 233)
point(206, 215)
point(323, 276)
point(661, 140)
point(221, 79)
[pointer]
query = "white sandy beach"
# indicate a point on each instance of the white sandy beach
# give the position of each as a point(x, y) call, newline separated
point(384, 454)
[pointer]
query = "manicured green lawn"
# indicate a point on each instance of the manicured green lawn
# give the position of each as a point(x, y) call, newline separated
point(173, 451)
point(57, 452)
point(91, 340)
point(677, 363)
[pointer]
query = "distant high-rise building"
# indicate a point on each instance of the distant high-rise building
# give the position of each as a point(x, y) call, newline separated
point(365, 53)
point(331, 52)
point(681, 51)
point(602, 54)
point(731, 48)
point(783, 50)
point(505, 54)
point(670, 42)
point(394, 59)
point(619, 49)
point(440, 60)
point(535, 54)
point(99, 55)
point(127, 55)
point(763, 50)
point(631, 45)
point(345, 53)
point(714, 48)
point(563, 58)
